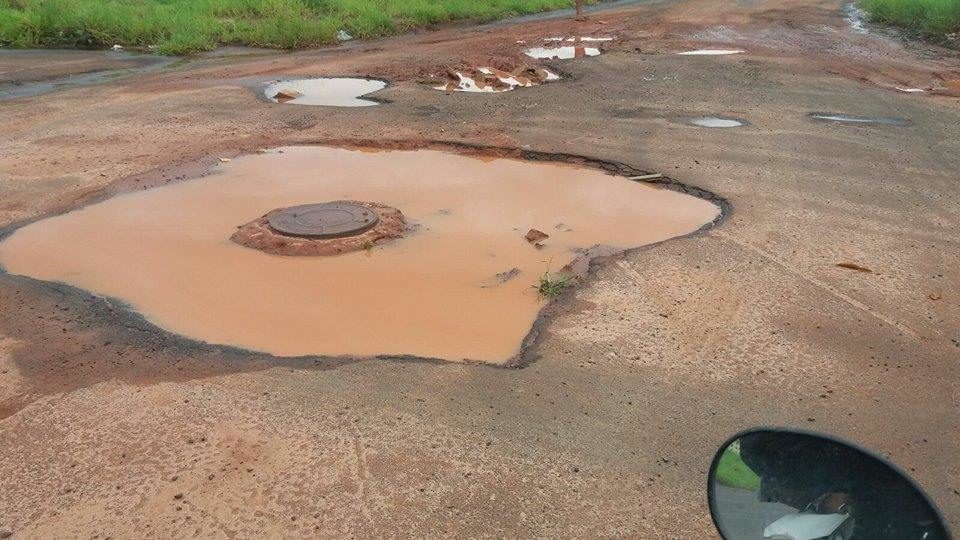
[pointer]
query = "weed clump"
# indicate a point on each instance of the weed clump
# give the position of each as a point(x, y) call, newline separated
point(551, 286)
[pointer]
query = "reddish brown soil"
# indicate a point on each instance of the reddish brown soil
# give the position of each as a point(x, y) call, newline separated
point(638, 376)
point(23, 66)
point(258, 235)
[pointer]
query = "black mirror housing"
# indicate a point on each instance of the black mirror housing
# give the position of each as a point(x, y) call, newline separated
point(787, 484)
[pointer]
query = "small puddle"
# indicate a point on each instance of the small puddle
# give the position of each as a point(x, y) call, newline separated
point(457, 286)
point(488, 79)
point(585, 39)
point(577, 49)
point(328, 91)
point(710, 52)
point(716, 122)
point(561, 53)
point(849, 119)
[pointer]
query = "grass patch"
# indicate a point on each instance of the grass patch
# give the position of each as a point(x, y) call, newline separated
point(733, 472)
point(551, 286)
point(929, 17)
point(185, 26)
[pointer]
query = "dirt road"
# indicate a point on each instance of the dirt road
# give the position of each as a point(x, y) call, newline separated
point(111, 427)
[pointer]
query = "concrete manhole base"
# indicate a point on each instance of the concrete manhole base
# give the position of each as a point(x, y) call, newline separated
point(322, 229)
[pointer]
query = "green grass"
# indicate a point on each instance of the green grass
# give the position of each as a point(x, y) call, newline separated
point(733, 472)
point(185, 26)
point(551, 286)
point(930, 17)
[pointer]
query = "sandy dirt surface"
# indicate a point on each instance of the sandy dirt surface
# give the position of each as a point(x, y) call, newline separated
point(111, 427)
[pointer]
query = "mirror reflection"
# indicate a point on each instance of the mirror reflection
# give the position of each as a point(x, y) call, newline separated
point(780, 485)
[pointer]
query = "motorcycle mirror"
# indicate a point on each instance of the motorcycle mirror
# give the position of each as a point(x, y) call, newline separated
point(784, 484)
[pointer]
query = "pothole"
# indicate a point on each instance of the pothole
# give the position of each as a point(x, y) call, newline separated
point(488, 79)
point(716, 122)
point(710, 52)
point(851, 119)
point(329, 91)
point(459, 287)
point(561, 53)
point(575, 49)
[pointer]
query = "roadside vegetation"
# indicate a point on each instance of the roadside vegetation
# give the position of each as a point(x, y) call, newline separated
point(184, 26)
point(935, 18)
point(733, 472)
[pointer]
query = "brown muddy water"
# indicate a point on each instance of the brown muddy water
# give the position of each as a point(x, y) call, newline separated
point(446, 290)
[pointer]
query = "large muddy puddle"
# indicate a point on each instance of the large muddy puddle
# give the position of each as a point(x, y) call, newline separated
point(458, 286)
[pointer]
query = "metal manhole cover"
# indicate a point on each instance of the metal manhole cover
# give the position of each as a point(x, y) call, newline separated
point(324, 220)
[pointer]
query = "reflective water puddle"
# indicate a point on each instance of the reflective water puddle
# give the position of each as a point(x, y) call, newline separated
point(716, 122)
point(849, 119)
point(561, 53)
point(576, 49)
point(458, 286)
point(487, 79)
point(711, 52)
point(585, 39)
point(329, 91)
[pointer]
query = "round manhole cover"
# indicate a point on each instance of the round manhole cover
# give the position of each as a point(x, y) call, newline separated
point(324, 220)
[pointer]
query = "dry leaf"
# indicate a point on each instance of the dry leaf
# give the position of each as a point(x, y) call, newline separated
point(855, 266)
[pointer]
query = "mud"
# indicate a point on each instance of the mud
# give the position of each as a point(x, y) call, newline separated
point(331, 91)
point(178, 270)
point(27, 73)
